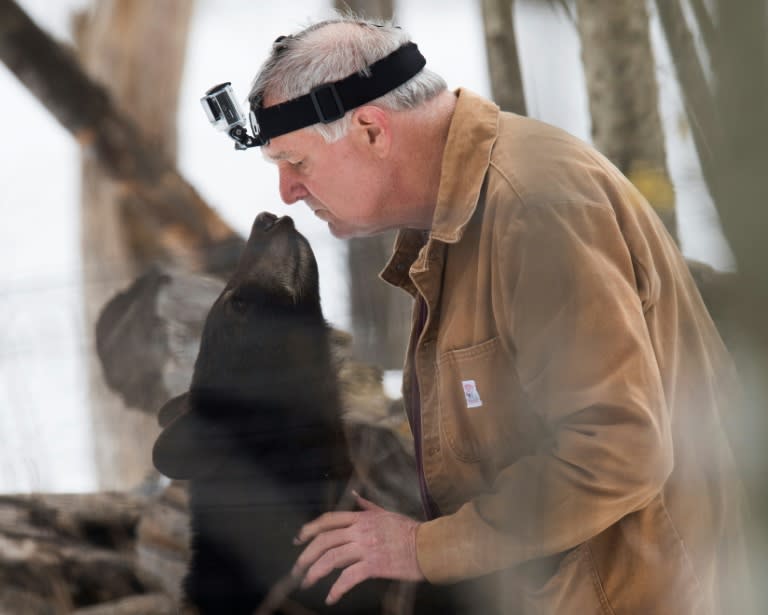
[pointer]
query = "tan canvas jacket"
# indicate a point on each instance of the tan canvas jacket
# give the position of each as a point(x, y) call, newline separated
point(571, 385)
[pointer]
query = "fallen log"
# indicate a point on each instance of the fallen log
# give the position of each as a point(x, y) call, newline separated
point(59, 553)
point(154, 604)
point(162, 545)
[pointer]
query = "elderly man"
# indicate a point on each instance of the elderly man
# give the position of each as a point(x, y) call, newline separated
point(563, 381)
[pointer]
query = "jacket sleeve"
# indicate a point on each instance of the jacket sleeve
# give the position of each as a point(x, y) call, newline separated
point(575, 324)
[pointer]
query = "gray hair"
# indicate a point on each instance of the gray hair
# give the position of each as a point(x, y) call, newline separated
point(320, 54)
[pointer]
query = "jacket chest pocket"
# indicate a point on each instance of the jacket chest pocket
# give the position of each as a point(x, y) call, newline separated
point(481, 404)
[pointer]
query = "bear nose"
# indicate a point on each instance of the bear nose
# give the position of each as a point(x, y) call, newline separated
point(265, 221)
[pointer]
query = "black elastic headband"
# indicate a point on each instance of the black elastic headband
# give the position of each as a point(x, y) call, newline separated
point(330, 101)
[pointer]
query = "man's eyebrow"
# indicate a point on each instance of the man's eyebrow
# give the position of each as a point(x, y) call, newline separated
point(277, 156)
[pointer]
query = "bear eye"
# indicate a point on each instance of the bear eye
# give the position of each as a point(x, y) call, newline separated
point(238, 302)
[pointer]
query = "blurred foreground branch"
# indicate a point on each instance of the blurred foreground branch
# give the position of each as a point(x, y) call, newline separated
point(741, 71)
point(729, 116)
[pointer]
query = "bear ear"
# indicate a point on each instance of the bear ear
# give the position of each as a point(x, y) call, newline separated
point(172, 408)
point(188, 447)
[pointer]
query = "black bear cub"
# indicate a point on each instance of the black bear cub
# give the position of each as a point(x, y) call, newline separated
point(259, 433)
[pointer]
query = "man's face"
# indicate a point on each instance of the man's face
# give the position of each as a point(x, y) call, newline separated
point(343, 182)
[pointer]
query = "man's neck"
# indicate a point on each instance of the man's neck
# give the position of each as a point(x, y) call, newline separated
point(423, 134)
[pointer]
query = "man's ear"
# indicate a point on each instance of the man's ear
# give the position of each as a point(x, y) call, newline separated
point(373, 129)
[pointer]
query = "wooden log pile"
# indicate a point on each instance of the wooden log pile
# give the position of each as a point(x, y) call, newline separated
point(70, 553)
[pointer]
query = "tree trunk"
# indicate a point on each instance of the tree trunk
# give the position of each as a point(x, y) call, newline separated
point(503, 59)
point(136, 49)
point(624, 98)
point(380, 314)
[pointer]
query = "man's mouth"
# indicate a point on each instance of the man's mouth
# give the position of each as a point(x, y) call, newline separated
point(319, 210)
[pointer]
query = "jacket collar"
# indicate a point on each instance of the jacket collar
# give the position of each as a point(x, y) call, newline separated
point(467, 154)
point(465, 161)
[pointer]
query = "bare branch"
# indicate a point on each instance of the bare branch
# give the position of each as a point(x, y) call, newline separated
point(188, 230)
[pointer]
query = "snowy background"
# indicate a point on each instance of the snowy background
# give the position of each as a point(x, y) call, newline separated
point(44, 426)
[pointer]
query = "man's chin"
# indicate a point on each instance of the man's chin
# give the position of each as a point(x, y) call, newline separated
point(340, 232)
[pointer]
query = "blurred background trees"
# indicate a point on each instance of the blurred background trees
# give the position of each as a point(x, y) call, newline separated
point(620, 73)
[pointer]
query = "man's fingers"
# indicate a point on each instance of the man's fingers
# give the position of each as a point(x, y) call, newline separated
point(316, 549)
point(324, 523)
point(365, 544)
point(352, 576)
point(339, 557)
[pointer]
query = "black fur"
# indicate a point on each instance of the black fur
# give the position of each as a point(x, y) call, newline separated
point(259, 434)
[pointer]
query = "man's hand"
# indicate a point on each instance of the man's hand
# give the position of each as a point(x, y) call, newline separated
point(372, 543)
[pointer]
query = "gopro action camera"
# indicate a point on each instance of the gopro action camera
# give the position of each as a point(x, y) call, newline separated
point(224, 113)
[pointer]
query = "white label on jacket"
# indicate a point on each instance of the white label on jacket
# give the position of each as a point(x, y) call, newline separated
point(471, 394)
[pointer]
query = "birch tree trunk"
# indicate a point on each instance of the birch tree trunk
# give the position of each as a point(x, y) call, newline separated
point(503, 58)
point(380, 315)
point(624, 98)
point(136, 49)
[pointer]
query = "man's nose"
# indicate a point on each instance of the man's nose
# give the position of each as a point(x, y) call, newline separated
point(291, 188)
